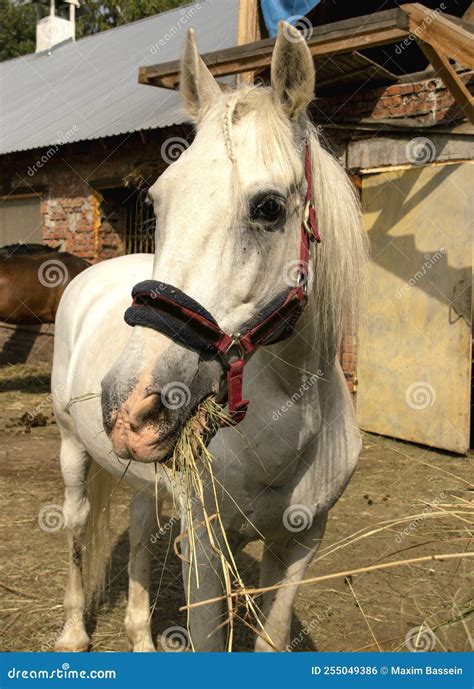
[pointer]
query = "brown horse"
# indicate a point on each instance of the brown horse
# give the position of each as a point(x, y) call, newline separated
point(33, 278)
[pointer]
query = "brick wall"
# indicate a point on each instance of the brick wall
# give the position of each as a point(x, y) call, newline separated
point(71, 216)
point(70, 180)
point(427, 101)
point(348, 359)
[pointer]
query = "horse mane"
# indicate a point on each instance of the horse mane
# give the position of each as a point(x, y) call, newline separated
point(19, 249)
point(342, 256)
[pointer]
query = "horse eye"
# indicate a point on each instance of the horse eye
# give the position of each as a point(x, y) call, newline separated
point(269, 208)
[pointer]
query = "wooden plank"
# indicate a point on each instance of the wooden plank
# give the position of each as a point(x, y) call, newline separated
point(452, 80)
point(468, 15)
point(449, 37)
point(462, 21)
point(247, 31)
point(330, 39)
point(393, 149)
point(359, 64)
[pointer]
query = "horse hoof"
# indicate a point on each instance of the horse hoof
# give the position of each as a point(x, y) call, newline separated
point(65, 647)
point(142, 647)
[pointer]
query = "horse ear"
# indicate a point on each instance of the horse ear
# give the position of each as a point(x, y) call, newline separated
point(292, 72)
point(197, 85)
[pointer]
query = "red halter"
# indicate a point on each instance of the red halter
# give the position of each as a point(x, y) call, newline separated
point(166, 309)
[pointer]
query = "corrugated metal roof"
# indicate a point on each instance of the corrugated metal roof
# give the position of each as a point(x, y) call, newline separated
point(89, 89)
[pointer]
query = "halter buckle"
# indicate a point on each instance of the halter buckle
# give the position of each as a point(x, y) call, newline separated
point(302, 282)
point(307, 222)
point(235, 350)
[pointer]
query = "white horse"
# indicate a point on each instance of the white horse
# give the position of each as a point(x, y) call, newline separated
point(228, 230)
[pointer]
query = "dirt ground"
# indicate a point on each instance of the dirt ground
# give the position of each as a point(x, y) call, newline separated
point(395, 482)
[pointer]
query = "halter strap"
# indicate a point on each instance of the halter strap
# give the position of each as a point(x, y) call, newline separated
point(168, 310)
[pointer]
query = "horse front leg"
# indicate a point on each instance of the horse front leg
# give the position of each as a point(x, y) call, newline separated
point(138, 616)
point(283, 563)
point(203, 579)
point(74, 465)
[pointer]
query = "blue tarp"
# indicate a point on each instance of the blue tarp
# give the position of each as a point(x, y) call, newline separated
point(292, 11)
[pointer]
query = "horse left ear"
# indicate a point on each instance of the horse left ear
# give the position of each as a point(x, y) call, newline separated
point(292, 72)
point(197, 85)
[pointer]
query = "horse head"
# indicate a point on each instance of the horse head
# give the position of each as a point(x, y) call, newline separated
point(229, 214)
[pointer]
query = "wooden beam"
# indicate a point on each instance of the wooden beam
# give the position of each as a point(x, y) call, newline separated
point(362, 66)
point(247, 31)
point(449, 37)
point(468, 15)
point(344, 36)
point(448, 74)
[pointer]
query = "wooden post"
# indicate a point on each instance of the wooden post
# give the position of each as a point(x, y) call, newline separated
point(247, 32)
point(452, 80)
point(433, 28)
point(468, 15)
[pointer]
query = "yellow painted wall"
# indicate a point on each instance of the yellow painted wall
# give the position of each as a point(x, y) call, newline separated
point(414, 352)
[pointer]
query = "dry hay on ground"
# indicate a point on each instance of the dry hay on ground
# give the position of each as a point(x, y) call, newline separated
point(394, 484)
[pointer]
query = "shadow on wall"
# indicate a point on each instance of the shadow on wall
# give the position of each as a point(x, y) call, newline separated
point(399, 254)
point(26, 344)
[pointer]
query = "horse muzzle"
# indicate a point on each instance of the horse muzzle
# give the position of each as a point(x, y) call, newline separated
point(144, 418)
point(141, 429)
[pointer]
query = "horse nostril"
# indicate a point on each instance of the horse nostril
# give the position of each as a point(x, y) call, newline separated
point(109, 419)
point(146, 409)
point(109, 410)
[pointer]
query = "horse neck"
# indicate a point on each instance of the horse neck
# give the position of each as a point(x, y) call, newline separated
point(309, 351)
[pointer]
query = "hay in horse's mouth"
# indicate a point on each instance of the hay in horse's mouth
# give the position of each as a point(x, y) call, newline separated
point(191, 471)
point(196, 432)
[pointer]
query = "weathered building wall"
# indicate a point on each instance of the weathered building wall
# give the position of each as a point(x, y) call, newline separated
point(428, 101)
point(71, 180)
